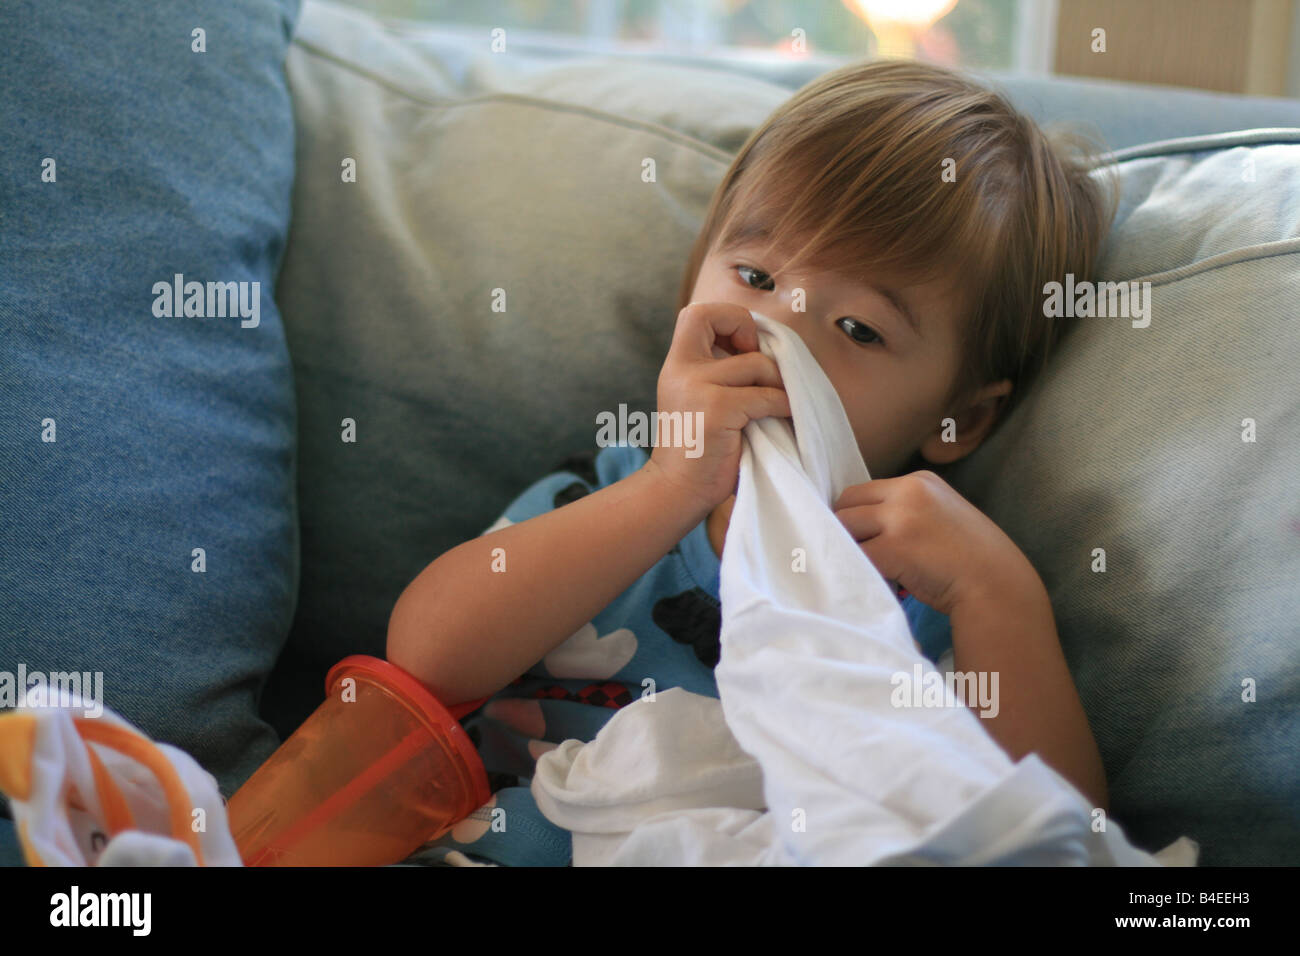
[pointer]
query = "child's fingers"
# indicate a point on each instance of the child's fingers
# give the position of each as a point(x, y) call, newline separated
point(750, 368)
point(871, 492)
point(863, 522)
point(701, 324)
point(760, 402)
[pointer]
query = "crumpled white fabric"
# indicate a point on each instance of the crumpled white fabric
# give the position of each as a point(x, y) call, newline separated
point(804, 760)
point(63, 835)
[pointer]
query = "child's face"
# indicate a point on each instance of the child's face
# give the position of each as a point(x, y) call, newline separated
point(893, 381)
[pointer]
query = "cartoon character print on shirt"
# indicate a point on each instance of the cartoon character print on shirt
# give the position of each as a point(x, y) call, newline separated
point(586, 654)
point(692, 618)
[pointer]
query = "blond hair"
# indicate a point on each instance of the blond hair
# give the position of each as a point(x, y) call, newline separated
point(852, 163)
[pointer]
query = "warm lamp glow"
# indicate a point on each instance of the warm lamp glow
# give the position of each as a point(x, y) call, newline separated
point(917, 14)
point(897, 23)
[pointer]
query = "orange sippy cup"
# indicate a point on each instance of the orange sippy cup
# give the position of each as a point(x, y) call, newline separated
point(379, 769)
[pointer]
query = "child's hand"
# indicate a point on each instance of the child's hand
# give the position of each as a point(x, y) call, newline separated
point(919, 532)
point(714, 367)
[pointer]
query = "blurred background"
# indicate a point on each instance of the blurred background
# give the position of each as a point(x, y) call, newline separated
point(1230, 46)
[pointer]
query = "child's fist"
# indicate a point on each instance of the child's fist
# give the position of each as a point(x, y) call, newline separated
point(714, 368)
point(919, 532)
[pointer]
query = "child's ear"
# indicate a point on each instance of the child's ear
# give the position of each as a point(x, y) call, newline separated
point(973, 419)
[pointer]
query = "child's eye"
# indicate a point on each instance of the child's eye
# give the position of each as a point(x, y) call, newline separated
point(859, 332)
point(744, 269)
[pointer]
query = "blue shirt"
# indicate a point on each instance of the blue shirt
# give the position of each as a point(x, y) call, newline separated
point(662, 632)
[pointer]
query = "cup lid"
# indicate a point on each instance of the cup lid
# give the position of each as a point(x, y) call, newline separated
point(422, 701)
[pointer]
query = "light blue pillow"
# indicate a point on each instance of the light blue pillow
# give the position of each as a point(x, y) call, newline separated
point(132, 437)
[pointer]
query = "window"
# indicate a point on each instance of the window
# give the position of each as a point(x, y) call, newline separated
point(981, 34)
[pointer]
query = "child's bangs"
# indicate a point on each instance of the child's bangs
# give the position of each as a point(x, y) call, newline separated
point(896, 221)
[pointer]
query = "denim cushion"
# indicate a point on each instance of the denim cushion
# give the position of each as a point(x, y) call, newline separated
point(170, 433)
point(1133, 443)
point(11, 851)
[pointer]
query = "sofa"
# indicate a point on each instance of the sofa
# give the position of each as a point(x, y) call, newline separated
point(211, 509)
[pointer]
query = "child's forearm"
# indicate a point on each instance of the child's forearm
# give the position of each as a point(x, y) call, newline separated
point(1011, 631)
point(466, 630)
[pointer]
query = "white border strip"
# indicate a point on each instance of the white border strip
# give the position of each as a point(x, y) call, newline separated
point(1036, 36)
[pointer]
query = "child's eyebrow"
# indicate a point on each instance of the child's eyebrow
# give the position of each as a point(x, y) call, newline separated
point(898, 302)
point(750, 232)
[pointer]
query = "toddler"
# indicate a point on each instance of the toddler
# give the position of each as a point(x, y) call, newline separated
point(903, 220)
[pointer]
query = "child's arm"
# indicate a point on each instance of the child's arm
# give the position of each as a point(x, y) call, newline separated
point(917, 530)
point(1009, 630)
point(467, 631)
